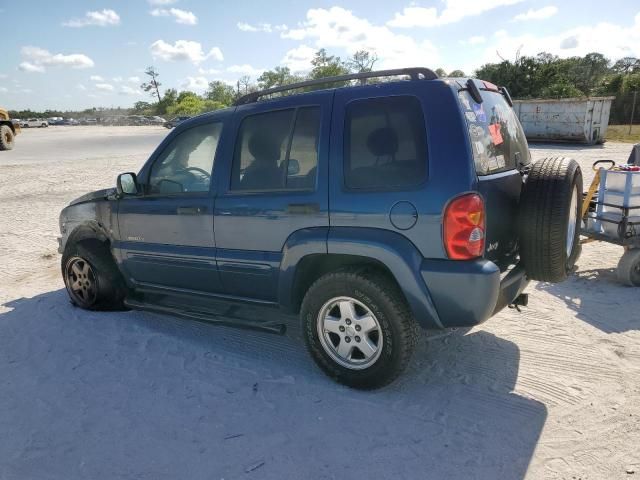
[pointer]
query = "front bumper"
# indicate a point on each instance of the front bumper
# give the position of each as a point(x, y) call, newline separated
point(468, 293)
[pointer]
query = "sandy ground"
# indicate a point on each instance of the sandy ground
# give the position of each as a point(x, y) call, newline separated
point(552, 392)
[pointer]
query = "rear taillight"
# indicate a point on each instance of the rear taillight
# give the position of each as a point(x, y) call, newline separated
point(464, 227)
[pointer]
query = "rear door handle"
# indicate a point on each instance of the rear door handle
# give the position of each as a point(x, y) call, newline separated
point(191, 210)
point(303, 208)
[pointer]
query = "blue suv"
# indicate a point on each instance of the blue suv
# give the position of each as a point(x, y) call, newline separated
point(369, 209)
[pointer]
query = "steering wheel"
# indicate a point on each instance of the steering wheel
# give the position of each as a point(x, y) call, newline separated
point(199, 170)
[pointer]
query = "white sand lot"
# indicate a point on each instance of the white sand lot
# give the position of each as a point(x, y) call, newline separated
point(553, 392)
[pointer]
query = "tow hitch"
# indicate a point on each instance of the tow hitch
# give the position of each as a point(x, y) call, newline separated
point(521, 300)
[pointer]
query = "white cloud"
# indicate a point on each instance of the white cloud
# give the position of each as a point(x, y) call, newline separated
point(30, 67)
point(161, 2)
point(3, 90)
point(105, 87)
point(245, 69)
point(183, 50)
point(81, 87)
point(208, 71)
point(340, 28)
point(134, 79)
point(540, 14)
point(454, 11)
point(299, 58)
point(261, 27)
point(180, 16)
point(475, 40)
point(96, 78)
point(613, 41)
point(117, 79)
point(127, 90)
point(37, 59)
point(3, 76)
point(195, 84)
point(101, 18)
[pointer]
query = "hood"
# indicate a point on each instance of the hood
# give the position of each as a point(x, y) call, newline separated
point(97, 195)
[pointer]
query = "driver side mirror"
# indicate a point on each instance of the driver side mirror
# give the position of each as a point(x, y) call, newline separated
point(127, 184)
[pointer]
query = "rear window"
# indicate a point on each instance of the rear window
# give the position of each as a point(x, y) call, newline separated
point(385, 145)
point(497, 139)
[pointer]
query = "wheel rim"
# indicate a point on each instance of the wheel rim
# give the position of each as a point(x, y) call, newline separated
point(349, 333)
point(571, 227)
point(7, 137)
point(81, 281)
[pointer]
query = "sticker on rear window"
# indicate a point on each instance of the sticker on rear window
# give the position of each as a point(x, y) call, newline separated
point(479, 111)
point(464, 100)
point(496, 136)
point(476, 131)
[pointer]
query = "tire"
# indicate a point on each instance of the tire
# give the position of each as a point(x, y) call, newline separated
point(549, 219)
point(97, 274)
point(375, 300)
point(628, 270)
point(6, 138)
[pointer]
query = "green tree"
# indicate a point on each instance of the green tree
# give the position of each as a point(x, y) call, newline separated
point(277, 77)
point(220, 92)
point(440, 72)
point(169, 100)
point(457, 73)
point(362, 61)
point(325, 65)
point(152, 86)
point(188, 103)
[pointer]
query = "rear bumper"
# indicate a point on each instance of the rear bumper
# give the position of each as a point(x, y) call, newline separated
point(468, 293)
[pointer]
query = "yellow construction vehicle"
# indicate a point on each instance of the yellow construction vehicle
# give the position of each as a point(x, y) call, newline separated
point(8, 131)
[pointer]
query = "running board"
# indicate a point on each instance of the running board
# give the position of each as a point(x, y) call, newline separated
point(209, 317)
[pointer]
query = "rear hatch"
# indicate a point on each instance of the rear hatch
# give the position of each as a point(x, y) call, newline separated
point(501, 156)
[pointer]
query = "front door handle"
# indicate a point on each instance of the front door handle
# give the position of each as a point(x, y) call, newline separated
point(303, 208)
point(191, 210)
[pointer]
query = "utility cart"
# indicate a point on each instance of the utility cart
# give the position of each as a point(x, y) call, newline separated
point(611, 213)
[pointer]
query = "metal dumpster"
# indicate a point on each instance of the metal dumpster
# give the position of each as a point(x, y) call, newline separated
point(579, 120)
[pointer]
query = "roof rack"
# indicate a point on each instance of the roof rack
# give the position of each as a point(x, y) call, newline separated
point(417, 73)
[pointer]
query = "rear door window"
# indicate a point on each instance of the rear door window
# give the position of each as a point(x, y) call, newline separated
point(497, 139)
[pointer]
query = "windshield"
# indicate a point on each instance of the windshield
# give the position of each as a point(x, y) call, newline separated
point(497, 139)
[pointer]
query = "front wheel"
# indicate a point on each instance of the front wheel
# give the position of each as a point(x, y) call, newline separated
point(6, 138)
point(358, 328)
point(92, 278)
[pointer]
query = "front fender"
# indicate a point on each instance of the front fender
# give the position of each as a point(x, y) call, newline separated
point(94, 219)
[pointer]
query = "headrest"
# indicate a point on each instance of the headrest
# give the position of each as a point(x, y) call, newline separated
point(264, 148)
point(383, 141)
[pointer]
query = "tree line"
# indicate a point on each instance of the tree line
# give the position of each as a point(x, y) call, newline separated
point(548, 76)
point(541, 76)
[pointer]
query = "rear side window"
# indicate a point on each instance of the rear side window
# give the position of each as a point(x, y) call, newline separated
point(385, 143)
point(497, 138)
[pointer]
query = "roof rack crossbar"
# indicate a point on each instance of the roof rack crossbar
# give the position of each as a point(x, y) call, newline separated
point(416, 73)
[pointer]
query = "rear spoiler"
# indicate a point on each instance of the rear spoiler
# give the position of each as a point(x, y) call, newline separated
point(474, 90)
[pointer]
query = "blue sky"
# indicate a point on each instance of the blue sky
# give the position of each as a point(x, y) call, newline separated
point(82, 53)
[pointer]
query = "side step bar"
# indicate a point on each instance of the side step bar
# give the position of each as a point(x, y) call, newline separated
point(209, 317)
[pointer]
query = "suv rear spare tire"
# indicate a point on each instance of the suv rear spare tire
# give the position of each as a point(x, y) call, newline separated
point(549, 219)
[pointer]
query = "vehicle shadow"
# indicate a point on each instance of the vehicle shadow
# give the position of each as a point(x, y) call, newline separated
point(595, 296)
point(139, 395)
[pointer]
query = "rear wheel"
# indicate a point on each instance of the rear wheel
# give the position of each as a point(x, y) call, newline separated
point(358, 328)
point(6, 138)
point(549, 219)
point(92, 278)
point(628, 270)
